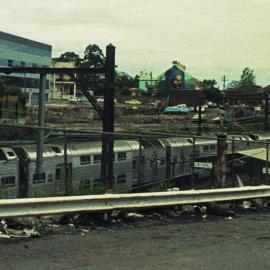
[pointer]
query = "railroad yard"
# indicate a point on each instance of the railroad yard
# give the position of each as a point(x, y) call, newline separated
point(115, 154)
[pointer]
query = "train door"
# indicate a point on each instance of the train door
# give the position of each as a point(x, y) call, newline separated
point(63, 178)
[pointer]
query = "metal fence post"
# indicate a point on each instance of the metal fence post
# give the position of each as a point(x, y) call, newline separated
point(233, 157)
point(41, 122)
point(66, 172)
point(267, 161)
point(140, 162)
point(266, 112)
point(192, 163)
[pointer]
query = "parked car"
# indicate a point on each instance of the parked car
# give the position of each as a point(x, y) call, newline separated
point(133, 102)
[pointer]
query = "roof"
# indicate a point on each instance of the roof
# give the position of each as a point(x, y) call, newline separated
point(258, 153)
point(25, 41)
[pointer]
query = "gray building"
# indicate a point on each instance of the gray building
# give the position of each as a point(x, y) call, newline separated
point(17, 51)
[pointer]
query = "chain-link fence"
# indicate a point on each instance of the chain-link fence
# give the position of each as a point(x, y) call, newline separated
point(60, 162)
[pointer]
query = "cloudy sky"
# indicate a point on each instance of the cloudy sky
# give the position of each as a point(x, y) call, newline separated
point(211, 37)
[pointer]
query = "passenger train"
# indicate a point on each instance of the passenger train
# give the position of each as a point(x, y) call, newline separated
point(134, 163)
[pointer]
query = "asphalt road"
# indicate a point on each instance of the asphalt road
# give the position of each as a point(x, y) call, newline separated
point(185, 242)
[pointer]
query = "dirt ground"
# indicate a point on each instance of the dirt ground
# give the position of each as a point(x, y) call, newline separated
point(184, 242)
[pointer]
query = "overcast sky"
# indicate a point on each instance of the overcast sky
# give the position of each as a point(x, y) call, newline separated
point(211, 37)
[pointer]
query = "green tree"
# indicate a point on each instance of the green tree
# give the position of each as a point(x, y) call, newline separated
point(69, 57)
point(248, 81)
point(211, 91)
point(93, 58)
point(124, 82)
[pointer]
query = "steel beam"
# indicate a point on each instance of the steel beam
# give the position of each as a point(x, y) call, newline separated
point(41, 122)
point(109, 202)
point(48, 70)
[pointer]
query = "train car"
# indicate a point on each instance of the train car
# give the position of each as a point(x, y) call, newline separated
point(50, 181)
point(9, 173)
point(86, 161)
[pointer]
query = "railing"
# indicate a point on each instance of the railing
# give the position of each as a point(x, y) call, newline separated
point(109, 202)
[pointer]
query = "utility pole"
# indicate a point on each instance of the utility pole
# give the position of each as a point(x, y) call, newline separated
point(221, 168)
point(107, 158)
point(41, 123)
point(224, 80)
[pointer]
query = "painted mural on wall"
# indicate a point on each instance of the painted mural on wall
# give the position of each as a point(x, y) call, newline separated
point(174, 79)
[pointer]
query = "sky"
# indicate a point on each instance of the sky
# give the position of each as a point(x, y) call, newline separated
point(211, 37)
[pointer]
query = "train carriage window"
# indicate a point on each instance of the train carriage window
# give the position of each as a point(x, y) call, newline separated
point(121, 156)
point(39, 178)
point(134, 162)
point(2, 155)
point(57, 174)
point(85, 160)
point(50, 178)
point(8, 181)
point(121, 178)
point(56, 149)
point(11, 154)
point(97, 158)
point(205, 148)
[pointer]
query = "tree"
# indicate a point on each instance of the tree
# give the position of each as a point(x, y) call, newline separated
point(248, 81)
point(211, 91)
point(93, 58)
point(69, 57)
point(124, 82)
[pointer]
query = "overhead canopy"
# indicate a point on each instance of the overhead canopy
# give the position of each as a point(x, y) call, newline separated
point(259, 153)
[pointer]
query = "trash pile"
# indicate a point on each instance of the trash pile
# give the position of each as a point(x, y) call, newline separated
point(81, 224)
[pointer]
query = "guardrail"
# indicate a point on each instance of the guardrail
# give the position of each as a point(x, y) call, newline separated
point(109, 202)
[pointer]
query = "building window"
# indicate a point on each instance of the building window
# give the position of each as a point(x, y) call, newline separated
point(134, 162)
point(8, 181)
point(121, 156)
point(39, 178)
point(121, 178)
point(85, 160)
point(97, 158)
point(212, 147)
point(22, 64)
point(10, 63)
point(34, 65)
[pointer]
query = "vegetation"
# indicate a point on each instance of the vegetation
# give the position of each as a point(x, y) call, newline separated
point(211, 91)
point(247, 82)
point(94, 58)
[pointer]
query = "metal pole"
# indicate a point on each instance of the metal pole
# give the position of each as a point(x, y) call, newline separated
point(266, 112)
point(233, 157)
point(200, 117)
point(41, 122)
point(192, 162)
point(267, 160)
point(108, 119)
point(140, 162)
point(66, 174)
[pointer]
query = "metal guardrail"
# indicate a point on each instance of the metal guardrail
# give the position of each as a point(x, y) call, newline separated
point(109, 202)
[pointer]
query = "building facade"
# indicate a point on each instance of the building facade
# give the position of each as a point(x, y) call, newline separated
point(175, 78)
point(17, 51)
point(62, 85)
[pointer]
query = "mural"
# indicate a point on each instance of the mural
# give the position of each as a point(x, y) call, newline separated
point(175, 79)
